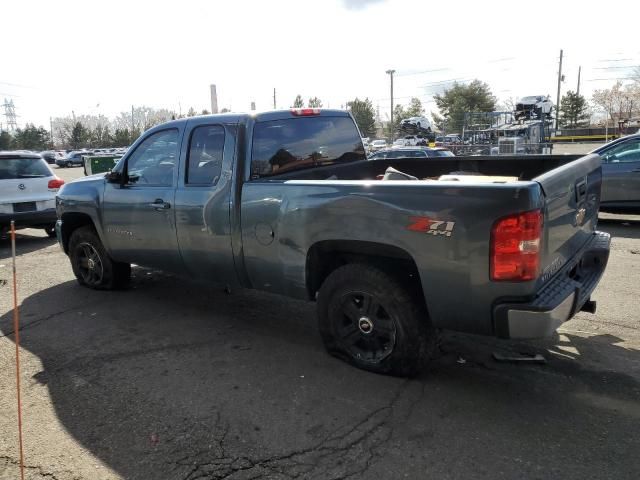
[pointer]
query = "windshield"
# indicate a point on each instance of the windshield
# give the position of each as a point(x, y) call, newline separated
point(441, 153)
point(12, 168)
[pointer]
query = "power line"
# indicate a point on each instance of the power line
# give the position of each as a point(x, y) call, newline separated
point(16, 85)
point(407, 74)
point(609, 79)
point(616, 67)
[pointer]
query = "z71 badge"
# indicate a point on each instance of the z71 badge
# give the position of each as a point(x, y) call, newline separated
point(430, 226)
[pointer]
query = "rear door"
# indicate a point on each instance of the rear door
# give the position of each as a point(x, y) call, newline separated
point(203, 201)
point(139, 216)
point(571, 202)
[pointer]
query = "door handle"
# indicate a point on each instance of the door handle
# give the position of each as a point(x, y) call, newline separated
point(160, 204)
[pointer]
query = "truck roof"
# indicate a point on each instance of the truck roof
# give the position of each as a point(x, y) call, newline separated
point(263, 116)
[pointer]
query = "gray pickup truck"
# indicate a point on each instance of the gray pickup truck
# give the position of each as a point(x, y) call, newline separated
point(287, 202)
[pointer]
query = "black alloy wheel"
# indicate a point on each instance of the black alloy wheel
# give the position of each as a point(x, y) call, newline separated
point(90, 265)
point(364, 327)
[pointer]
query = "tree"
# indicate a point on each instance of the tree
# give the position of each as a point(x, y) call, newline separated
point(121, 137)
point(205, 112)
point(6, 140)
point(315, 102)
point(100, 136)
point(364, 115)
point(618, 101)
point(298, 102)
point(415, 108)
point(399, 114)
point(191, 112)
point(31, 138)
point(573, 110)
point(454, 102)
point(79, 137)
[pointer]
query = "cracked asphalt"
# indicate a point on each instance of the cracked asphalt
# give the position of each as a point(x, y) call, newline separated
point(176, 380)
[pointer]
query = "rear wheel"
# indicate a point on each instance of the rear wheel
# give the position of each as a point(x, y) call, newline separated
point(91, 264)
point(369, 319)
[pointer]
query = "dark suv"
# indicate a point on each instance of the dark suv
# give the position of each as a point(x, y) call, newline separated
point(621, 175)
point(72, 159)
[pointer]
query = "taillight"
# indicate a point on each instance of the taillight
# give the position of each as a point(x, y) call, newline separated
point(55, 183)
point(515, 247)
point(305, 112)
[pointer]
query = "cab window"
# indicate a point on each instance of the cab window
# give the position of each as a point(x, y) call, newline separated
point(281, 146)
point(154, 160)
point(206, 148)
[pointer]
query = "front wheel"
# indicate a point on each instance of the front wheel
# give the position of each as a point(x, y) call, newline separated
point(91, 264)
point(50, 231)
point(369, 319)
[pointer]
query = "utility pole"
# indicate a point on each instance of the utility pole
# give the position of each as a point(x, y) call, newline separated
point(558, 97)
point(391, 72)
point(131, 125)
point(274, 98)
point(51, 131)
point(578, 89)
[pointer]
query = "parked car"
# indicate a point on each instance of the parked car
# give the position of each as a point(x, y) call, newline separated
point(412, 140)
point(50, 156)
point(533, 107)
point(299, 212)
point(620, 175)
point(448, 140)
point(411, 152)
point(27, 192)
point(376, 145)
point(416, 124)
point(73, 158)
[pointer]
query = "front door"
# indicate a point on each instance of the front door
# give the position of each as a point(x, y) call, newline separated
point(139, 216)
point(621, 174)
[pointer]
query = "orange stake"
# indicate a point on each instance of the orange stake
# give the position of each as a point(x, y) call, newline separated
point(16, 329)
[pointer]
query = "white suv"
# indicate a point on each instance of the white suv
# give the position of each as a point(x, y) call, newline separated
point(417, 124)
point(28, 190)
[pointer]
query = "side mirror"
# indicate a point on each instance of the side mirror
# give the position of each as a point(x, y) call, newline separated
point(114, 177)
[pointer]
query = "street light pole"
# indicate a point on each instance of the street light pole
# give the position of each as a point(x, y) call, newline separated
point(391, 72)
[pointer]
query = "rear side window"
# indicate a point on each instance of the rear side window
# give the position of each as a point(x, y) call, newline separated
point(206, 148)
point(12, 168)
point(281, 146)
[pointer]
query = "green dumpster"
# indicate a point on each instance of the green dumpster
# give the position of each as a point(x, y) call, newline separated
point(99, 163)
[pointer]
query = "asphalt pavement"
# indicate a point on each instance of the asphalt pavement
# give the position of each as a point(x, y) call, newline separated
point(176, 380)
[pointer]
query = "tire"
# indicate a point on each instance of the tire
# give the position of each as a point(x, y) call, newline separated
point(355, 302)
point(50, 231)
point(91, 264)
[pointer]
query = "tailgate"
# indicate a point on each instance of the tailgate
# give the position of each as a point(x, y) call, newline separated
point(572, 199)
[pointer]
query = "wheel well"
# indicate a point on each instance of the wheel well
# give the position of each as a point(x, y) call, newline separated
point(71, 222)
point(324, 257)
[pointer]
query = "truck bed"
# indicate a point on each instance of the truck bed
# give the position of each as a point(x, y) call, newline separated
point(525, 167)
point(345, 205)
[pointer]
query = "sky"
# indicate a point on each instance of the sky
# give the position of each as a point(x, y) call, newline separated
point(92, 57)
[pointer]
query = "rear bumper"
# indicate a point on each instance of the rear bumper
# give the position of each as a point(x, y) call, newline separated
point(39, 218)
point(558, 300)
